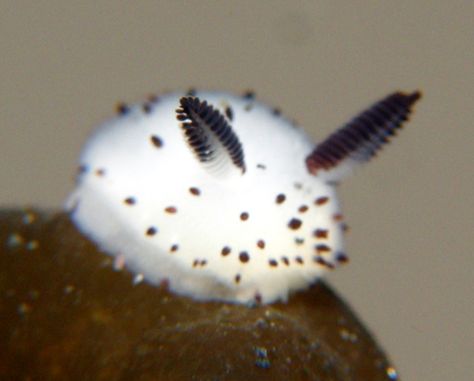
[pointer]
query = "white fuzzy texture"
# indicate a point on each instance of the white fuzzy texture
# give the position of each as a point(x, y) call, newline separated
point(158, 178)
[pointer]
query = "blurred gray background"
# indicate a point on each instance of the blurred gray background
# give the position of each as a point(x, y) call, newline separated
point(65, 64)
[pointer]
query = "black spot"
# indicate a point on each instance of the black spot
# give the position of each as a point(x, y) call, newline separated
point(261, 244)
point(285, 261)
point(147, 108)
point(191, 92)
point(194, 191)
point(323, 262)
point(100, 172)
point(342, 258)
point(156, 141)
point(321, 200)
point(321, 233)
point(321, 248)
point(276, 111)
point(237, 278)
point(82, 169)
point(280, 198)
point(151, 231)
point(249, 95)
point(303, 208)
point(299, 241)
point(225, 251)
point(171, 209)
point(261, 166)
point(122, 108)
point(199, 262)
point(273, 263)
point(319, 261)
point(130, 201)
point(174, 248)
point(299, 260)
point(244, 257)
point(229, 113)
point(295, 223)
point(244, 216)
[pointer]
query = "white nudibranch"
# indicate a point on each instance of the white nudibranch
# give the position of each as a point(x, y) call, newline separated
point(220, 196)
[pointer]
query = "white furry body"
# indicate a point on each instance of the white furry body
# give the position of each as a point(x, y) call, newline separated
point(134, 200)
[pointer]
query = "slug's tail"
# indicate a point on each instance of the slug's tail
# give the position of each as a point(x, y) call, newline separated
point(360, 139)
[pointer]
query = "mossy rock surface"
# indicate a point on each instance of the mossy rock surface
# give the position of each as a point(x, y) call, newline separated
point(66, 314)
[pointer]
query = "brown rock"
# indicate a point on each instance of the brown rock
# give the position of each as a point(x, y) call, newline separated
point(67, 314)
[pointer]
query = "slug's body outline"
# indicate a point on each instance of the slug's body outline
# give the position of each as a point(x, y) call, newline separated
point(220, 196)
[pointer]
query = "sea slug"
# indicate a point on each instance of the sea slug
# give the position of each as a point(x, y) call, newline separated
point(220, 196)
